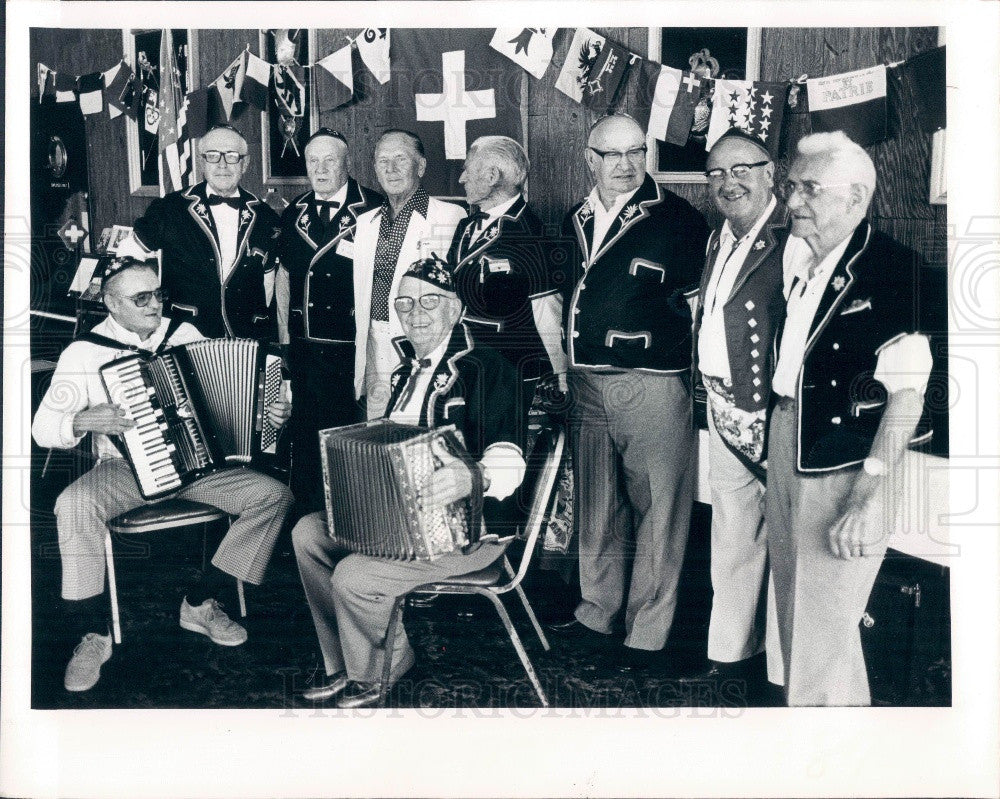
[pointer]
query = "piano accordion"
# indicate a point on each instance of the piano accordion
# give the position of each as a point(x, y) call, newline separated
point(197, 408)
point(374, 473)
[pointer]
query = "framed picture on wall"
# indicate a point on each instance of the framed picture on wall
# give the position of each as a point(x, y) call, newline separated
point(708, 52)
point(142, 52)
point(291, 108)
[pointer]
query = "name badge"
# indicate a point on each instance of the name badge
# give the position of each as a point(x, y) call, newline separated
point(499, 265)
point(345, 248)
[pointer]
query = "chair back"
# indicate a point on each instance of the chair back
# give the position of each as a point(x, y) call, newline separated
point(541, 474)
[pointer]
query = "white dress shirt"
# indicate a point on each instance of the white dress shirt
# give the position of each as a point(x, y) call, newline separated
point(713, 350)
point(227, 226)
point(905, 362)
point(604, 217)
point(502, 462)
point(76, 383)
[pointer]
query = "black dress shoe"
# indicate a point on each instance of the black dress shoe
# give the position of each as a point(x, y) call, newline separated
point(331, 687)
point(716, 671)
point(573, 627)
point(359, 694)
point(629, 660)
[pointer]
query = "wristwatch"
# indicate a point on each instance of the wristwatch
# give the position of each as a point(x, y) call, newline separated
point(874, 466)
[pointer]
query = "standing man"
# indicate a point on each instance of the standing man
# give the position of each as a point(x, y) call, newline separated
point(408, 226)
point(76, 404)
point(849, 384)
point(501, 263)
point(215, 240)
point(629, 342)
point(740, 306)
point(314, 294)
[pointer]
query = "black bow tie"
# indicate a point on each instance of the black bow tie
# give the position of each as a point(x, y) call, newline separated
point(233, 202)
point(420, 363)
point(477, 214)
point(327, 205)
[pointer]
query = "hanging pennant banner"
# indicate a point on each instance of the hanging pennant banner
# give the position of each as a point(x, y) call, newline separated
point(581, 56)
point(530, 48)
point(853, 102)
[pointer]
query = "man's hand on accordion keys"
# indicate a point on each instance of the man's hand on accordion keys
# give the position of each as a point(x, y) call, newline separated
point(450, 482)
point(279, 411)
point(105, 418)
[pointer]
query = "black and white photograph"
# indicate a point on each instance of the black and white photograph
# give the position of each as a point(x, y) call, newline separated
point(608, 410)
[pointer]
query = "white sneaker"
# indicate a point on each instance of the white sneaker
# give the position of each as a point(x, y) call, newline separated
point(84, 668)
point(209, 619)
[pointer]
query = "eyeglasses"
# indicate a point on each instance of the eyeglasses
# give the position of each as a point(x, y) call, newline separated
point(214, 156)
point(427, 301)
point(142, 298)
point(809, 189)
point(736, 171)
point(613, 157)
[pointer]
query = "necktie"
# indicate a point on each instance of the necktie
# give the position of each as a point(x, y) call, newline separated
point(232, 202)
point(326, 208)
point(418, 364)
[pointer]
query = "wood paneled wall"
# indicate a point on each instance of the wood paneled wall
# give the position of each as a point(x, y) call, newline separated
point(555, 125)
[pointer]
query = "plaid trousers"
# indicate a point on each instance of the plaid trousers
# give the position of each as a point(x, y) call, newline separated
point(85, 506)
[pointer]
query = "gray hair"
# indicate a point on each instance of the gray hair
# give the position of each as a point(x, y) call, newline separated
point(507, 156)
point(848, 157)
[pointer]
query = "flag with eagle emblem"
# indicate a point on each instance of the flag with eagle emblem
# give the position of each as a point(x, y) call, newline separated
point(529, 48)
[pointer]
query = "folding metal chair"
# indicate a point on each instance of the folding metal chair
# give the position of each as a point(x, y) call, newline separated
point(543, 468)
point(164, 515)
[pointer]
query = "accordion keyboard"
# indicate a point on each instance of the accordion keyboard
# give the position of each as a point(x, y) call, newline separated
point(155, 468)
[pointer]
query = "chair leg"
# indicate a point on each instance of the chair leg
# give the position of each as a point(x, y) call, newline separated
point(527, 606)
point(243, 601)
point(515, 639)
point(390, 642)
point(112, 589)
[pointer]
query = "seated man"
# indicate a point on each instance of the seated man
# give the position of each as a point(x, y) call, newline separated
point(76, 403)
point(444, 379)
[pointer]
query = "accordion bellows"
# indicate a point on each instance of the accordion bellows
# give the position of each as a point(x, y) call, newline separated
point(374, 474)
point(198, 407)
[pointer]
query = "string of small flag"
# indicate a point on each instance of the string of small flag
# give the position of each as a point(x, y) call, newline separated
point(672, 104)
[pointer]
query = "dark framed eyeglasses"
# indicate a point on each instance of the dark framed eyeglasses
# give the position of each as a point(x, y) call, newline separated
point(809, 189)
point(214, 156)
point(142, 298)
point(736, 171)
point(427, 301)
point(612, 157)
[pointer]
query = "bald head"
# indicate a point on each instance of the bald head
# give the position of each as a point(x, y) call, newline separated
point(616, 156)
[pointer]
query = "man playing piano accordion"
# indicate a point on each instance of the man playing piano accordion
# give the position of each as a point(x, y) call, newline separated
point(77, 403)
point(444, 378)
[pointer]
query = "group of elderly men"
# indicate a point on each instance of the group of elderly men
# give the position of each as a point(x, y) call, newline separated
point(403, 306)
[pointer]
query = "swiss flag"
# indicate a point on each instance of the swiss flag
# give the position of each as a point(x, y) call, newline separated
point(452, 88)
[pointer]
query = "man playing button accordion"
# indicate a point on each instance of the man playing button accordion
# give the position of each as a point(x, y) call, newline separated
point(445, 379)
point(77, 403)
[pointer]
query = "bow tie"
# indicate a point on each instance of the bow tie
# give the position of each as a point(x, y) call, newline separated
point(233, 202)
point(420, 363)
point(327, 205)
point(477, 214)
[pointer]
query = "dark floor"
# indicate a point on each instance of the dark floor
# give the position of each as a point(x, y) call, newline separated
point(464, 658)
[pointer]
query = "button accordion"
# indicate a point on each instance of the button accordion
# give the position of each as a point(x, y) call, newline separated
point(197, 408)
point(374, 474)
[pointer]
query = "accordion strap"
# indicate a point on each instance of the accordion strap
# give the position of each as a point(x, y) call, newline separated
point(476, 497)
point(107, 341)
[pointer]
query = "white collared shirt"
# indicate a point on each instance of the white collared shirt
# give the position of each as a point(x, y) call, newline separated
point(492, 215)
point(339, 196)
point(605, 217)
point(903, 363)
point(76, 383)
point(227, 227)
point(713, 351)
